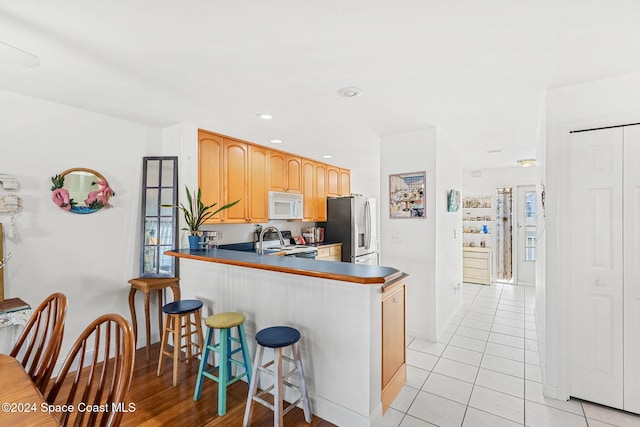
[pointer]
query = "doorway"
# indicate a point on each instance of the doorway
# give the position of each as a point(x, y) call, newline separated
point(504, 234)
point(526, 235)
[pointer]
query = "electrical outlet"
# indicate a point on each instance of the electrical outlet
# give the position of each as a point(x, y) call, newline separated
point(395, 237)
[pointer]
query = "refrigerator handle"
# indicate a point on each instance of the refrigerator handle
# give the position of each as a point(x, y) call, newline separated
point(367, 225)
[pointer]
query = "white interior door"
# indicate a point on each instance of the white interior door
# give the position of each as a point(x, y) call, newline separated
point(526, 235)
point(596, 267)
point(632, 269)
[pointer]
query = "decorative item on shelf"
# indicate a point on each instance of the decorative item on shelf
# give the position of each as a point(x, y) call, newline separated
point(195, 214)
point(485, 229)
point(76, 184)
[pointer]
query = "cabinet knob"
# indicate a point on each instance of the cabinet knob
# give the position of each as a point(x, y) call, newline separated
point(599, 282)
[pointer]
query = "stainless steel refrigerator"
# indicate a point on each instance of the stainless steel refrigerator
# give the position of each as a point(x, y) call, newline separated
point(351, 221)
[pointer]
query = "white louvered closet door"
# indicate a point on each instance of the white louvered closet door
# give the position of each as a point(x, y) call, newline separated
point(596, 267)
point(632, 268)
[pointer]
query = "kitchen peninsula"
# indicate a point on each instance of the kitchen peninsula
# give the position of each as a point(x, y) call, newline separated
point(351, 318)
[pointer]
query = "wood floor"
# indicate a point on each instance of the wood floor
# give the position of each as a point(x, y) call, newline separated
point(158, 403)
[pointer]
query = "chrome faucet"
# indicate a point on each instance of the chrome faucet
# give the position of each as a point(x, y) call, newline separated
point(260, 239)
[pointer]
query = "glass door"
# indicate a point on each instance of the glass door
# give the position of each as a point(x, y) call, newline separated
point(526, 236)
point(504, 234)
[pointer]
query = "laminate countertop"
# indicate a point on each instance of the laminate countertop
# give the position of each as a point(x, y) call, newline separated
point(346, 272)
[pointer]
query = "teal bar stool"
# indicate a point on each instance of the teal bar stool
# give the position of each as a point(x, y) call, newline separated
point(277, 338)
point(223, 322)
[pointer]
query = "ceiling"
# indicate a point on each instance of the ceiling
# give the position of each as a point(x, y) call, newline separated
point(476, 70)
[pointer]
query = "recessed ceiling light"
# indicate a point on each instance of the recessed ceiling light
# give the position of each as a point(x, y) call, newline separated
point(495, 150)
point(525, 163)
point(265, 116)
point(275, 141)
point(349, 92)
point(327, 156)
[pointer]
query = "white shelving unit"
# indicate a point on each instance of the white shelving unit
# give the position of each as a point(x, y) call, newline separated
point(478, 221)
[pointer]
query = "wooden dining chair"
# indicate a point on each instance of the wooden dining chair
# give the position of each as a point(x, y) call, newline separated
point(107, 346)
point(38, 346)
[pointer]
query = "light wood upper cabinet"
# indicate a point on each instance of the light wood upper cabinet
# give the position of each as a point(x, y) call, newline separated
point(345, 182)
point(308, 185)
point(257, 192)
point(246, 169)
point(230, 169)
point(320, 196)
point(236, 161)
point(284, 172)
point(314, 190)
point(294, 174)
point(210, 154)
point(333, 181)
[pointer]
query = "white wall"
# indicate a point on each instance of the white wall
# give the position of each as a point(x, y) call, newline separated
point(87, 257)
point(600, 103)
point(419, 252)
point(448, 235)
point(491, 179)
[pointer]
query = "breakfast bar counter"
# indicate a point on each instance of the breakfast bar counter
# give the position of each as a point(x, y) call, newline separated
point(337, 307)
point(347, 272)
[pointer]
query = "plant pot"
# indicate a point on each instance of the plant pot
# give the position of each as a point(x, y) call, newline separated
point(194, 242)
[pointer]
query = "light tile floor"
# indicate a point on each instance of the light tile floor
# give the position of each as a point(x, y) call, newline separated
point(485, 371)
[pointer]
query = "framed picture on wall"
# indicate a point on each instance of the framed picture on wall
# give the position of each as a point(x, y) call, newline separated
point(407, 195)
point(453, 204)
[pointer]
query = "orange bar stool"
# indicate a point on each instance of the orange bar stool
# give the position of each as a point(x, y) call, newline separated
point(277, 338)
point(224, 322)
point(183, 320)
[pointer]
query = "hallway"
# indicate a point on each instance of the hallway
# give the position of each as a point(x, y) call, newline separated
point(485, 371)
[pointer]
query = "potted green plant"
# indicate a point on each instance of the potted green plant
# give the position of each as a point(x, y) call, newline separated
point(196, 213)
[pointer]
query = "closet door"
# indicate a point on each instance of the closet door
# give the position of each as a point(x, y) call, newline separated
point(596, 267)
point(632, 268)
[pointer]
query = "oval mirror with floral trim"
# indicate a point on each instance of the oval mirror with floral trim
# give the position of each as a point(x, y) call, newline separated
point(81, 191)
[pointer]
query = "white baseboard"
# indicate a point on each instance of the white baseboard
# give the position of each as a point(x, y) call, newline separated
point(341, 416)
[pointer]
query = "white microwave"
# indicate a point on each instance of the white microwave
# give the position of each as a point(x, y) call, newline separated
point(285, 205)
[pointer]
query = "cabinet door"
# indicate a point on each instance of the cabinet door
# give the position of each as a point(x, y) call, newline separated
point(333, 181)
point(236, 180)
point(277, 171)
point(308, 193)
point(320, 196)
point(294, 174)
point(210, 165)
point(257, 190)
point(393, 343)
point(345, 182)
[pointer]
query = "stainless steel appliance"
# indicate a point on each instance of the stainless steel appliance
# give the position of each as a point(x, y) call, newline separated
point(285, 205)
point(299, 251)
point(351, 221)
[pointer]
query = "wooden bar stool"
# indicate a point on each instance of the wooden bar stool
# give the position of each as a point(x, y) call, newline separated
point(223, 322)
point(277, 338)
point(178, 317)
point(147, 285)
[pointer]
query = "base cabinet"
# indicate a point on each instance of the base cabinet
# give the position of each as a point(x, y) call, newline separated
point(477, 265)
point(330, 252)
point(394, 356)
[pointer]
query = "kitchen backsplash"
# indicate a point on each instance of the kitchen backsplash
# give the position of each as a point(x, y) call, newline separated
point(236, 233)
